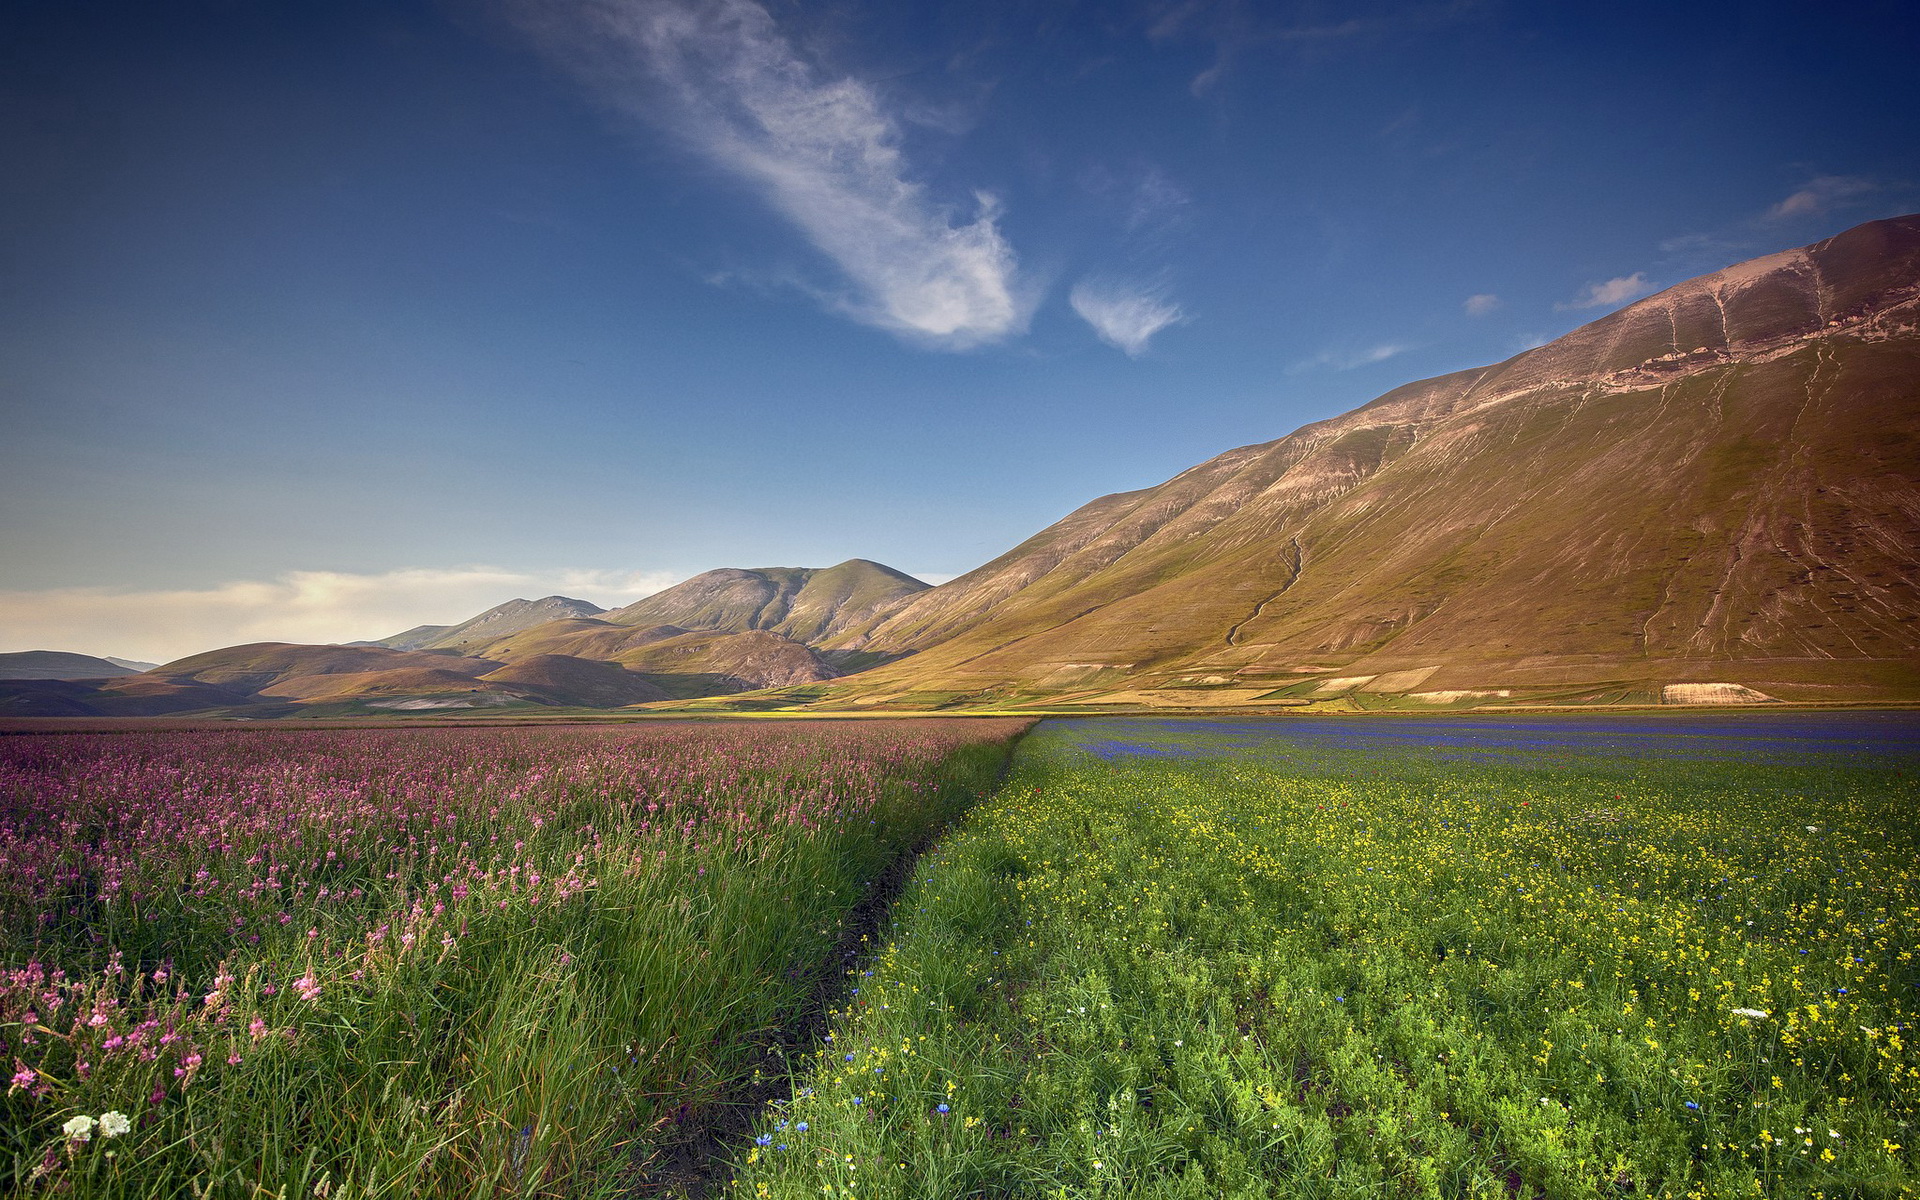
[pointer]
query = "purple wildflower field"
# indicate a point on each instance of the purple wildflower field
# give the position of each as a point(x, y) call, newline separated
point(428, 960)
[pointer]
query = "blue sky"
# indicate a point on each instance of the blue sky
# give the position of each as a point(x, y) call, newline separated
point(322, 320)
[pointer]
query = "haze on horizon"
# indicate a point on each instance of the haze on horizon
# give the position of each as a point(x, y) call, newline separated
point(323, 321)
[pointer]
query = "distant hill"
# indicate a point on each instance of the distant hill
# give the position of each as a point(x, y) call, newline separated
point(502, 619)
point(256, 668)
point(1717, 484)
point(58, 664)
point(806, 604)
point(563, 679)
point(131, 664)
point(686, 663)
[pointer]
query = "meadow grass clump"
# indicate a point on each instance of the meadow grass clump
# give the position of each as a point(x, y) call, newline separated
point(1302, 971)
point(424, 962)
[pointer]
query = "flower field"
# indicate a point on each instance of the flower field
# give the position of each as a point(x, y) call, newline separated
point(425, 962)
point(1198, 967)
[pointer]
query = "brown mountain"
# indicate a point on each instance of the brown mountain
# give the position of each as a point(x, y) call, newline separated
point(498, 621)
point(267, 668)
point(807, 604)
point(683, 662)
point(60, 664)
point(1716, 484)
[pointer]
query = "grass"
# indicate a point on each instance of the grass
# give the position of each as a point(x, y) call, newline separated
point(426, 962)
point(1215, 967)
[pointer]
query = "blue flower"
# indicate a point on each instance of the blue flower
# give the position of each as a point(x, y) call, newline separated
point(858, 1100)
point(942, 1109)
point(1692, 1105)
point(781, 1146)
point(802, 1127)
point(849, 1058)
point(765, 1139)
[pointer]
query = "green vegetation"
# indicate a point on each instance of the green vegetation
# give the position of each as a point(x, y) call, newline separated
point(442, 962)
point(1213, 969)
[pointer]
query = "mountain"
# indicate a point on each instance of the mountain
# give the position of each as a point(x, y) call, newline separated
point(131, 664)
point(563, 679)
point(59, 664)
point(281, 679)
point(271, 668)
point(683, 662)
point(1714, 485)
point(498, 621)
point(806, 604)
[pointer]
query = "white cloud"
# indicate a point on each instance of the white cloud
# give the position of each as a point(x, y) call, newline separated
point(823, 153)
point(1612, 293)
point(1126, 316)
point(1480, 304)
point(1819, 195)
point(299, 606)
point(1347, 360)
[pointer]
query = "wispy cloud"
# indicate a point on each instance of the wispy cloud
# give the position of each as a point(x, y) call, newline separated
point(1480, 304)
point(299, 606)
point(1157, 202)
point(1126, 316)
point(1237, 27)
point(1821, 193)
point(822, 152)
point(1348, 360)
point(1756, 234)
point(1612, 293)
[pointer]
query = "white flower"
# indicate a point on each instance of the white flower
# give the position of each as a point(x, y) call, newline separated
point(113, 1124)
point(80, 1128)
point(1752, 1014)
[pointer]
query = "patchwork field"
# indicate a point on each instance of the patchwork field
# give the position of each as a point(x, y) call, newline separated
point(426, 962)
point(1320, 958)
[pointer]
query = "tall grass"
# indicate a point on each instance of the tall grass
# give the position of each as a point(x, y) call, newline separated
point(415, 963)
point(1300, 972)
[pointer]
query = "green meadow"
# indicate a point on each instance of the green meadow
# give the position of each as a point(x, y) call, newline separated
point(1194, 959)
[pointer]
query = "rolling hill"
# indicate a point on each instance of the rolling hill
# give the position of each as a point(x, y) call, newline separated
point(1714, 485)
point(806, 604)
point(496, 622)
point(59, 664)
point(684, 662)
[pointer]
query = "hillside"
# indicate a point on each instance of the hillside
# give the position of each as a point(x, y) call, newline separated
point(59, 664)
point(806, 604)
point(496, 622)
point(260, 668)
point(686, 663)
point(1714, 484)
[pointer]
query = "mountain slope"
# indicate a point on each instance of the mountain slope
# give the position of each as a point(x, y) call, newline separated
point(259, 667)
point(683, 662)
point(498, 621)
point(807, 604)
point(1715, 483)
point(59, 664)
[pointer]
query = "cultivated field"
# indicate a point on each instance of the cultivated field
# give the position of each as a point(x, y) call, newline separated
point(1168, 961)
point(425, 962)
